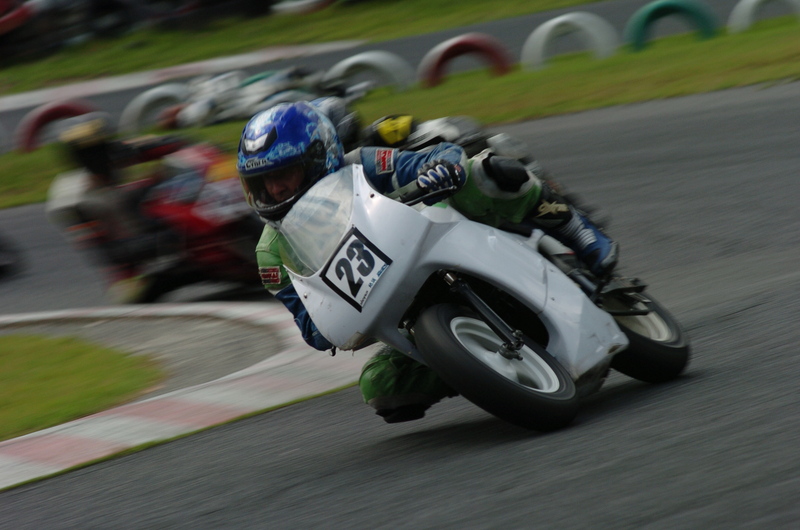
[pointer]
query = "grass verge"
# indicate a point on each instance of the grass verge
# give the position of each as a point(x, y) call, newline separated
point(669, 67)
point(48, 381)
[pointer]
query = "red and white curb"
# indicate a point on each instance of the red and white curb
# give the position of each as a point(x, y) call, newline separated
point(154, 77)
point(297, 372)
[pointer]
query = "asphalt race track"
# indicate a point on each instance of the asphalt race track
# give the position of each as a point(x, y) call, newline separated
point(701, 192)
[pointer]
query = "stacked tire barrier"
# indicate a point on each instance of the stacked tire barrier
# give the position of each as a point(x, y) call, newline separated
point(432, 67)
point(151, 102)
point(697, 13)
point(389, 67)
point(597, 35)
point(744, 13)
point(29, 129)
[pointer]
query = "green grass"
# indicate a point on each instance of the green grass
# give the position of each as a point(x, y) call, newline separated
point(24, 178)
point(374, 20)
point(49, 381)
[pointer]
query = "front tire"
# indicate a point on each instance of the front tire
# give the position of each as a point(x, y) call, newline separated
point(535, 392)
point(658, 350)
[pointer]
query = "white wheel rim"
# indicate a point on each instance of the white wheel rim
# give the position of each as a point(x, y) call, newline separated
point(483, 344)
point(650, 325)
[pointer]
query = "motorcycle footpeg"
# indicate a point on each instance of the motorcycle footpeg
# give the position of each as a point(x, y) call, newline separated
point(624, 285)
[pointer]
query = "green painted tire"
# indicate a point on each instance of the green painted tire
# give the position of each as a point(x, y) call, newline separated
point(697, 13)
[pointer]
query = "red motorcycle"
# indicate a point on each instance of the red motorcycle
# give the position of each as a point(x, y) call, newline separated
point(185, 222)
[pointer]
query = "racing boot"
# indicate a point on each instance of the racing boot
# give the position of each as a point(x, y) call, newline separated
point(561, 220)
point(399, 388)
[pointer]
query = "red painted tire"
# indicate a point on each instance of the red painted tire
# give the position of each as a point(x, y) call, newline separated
point(11, 20)
point(27, 132)
point(431, 69)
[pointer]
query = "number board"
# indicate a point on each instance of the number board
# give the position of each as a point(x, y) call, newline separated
point(355, 268)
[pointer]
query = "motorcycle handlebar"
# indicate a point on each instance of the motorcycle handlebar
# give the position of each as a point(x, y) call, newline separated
point(417, 194)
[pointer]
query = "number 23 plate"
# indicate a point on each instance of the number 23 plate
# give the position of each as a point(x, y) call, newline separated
point(355, 269)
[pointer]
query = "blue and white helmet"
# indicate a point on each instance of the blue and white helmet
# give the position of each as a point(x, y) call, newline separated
point(285, 135)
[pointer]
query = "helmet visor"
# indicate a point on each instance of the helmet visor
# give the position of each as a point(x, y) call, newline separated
point(274, 187)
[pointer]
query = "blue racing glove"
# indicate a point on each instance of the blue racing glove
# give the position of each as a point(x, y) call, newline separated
point(440, 174)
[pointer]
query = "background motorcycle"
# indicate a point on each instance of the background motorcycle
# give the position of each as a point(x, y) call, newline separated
point(194, 217)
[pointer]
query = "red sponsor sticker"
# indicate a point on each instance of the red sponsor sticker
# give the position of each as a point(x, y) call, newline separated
point(270, 275)
point(384, 160)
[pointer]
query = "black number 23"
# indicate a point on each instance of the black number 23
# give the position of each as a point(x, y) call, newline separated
point(364, 264)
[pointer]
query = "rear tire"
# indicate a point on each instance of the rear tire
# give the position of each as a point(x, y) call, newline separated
point(658, 350)
point(535, 392)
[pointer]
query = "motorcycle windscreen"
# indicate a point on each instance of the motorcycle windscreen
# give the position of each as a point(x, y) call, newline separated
point(317, 223)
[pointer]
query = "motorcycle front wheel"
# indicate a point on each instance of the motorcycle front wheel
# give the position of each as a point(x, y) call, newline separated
point(534, 392)
point(658, 349)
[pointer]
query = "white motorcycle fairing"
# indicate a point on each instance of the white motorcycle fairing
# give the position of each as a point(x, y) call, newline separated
point(358, 259)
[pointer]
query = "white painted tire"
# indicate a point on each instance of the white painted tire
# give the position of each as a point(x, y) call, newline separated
point(195, 114)
point(143, 110)
point(391, 68)
point(597, 34)
point(206, 86)
point(744, 12)
point(301, 7)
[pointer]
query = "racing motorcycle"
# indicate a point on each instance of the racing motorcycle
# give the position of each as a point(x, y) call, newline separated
point(189, 209)
point(508, 318)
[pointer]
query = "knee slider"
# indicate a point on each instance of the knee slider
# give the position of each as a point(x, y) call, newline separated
point(508, 173)
point(499, 177)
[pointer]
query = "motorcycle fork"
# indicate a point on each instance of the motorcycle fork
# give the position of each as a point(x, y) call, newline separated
point(512, 338)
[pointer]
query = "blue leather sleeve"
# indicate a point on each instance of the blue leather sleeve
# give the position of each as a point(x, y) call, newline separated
point(390, 169)
point(310, 333)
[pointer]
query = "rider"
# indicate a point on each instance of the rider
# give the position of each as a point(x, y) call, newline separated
point(109, 216)
point(284, 150)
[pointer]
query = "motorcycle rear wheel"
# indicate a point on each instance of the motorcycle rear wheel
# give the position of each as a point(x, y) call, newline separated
point(659, 348)
point(535, 392)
